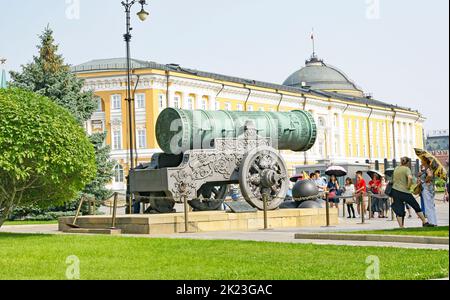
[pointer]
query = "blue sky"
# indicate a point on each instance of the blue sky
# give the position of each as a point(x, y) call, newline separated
point(398, 50)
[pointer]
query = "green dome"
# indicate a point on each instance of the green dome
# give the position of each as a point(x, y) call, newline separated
point(319, 76)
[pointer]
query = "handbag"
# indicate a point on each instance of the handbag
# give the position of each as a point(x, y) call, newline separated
point(389, 189)
point(418, 189)
point(350, 201)
point(332, 195)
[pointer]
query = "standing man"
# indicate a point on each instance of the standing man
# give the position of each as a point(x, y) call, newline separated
point(361, 193)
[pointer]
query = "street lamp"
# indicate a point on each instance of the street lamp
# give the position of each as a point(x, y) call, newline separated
point(142, 14)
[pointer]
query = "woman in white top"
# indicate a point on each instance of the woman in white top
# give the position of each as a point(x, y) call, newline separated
point(349, 191)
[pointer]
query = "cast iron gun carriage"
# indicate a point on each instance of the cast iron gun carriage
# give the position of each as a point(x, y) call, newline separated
point(206, 151)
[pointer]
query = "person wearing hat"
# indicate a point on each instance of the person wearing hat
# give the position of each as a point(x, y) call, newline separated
point(428, 194)
point(402, 195)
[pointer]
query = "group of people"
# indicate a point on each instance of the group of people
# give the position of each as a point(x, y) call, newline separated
point(353, 193)
point(381, 189)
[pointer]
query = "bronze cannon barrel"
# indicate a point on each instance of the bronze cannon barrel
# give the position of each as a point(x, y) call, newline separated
point(180, 130)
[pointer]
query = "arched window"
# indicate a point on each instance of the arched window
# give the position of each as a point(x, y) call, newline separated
point(99, 104)
point(190, 102)
point(204, 103)
point(118, 174)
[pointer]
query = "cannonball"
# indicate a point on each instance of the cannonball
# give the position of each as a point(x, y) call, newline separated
point(322, 203)
point(305, 190)
point(309, 204)
point(289, 205)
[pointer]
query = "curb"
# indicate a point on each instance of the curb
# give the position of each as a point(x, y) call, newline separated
point(374, 238)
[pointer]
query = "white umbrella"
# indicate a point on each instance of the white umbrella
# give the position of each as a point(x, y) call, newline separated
point(336, 171)
point(373, 172)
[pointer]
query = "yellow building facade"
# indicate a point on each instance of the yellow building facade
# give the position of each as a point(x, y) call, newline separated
point(352, 127)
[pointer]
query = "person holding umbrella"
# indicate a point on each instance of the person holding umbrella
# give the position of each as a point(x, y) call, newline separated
point(427, 181)
point(431, 169)
point(333, 186)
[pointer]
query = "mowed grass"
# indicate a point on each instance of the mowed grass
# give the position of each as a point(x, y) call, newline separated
point(105, 257)
point(15, 223)
point(422, 231)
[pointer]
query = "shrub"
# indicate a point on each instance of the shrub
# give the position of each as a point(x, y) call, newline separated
point(47, 158)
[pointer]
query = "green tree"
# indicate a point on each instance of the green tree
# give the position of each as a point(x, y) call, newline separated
point(104, 168)
point(47, 159)
point(49, 76)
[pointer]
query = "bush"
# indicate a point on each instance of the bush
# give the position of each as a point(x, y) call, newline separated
point(47, 158)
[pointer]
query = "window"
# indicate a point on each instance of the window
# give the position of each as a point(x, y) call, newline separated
point(140, 101)
point(118, 174)
point(357, 126)
point(349, 125)
point(217, 105)
point(321, 148)
point(350, 149)
point(364, 150)
point(250, 108)
point(228, 106)
point(116, 102)
point(161, 101)
point(190, 103)
point(142, 138)
point(99, 105)
point(204, 104)
point(240, 107)
point(358, 151)
point(177, 102)
point(261, 109)
point(117, 139)
point(322, 122)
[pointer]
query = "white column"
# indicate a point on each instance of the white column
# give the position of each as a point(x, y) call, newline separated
point(342, 145)
point(212, 101)
point(396, 139)
point(171, 97)
point(412, 145)
point(332, 134)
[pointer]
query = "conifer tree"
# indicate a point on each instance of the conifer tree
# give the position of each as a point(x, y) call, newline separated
point(50, 76)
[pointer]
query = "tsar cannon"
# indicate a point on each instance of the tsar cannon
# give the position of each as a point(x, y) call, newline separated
point(206, 151)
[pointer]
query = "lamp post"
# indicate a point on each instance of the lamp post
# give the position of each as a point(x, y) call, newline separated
point(143, 15)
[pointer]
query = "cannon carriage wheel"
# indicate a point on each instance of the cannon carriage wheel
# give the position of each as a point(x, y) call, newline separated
point(210, 197)
point(263, 171)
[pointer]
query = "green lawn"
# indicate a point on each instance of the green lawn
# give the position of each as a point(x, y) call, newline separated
point(435, 232)
point(105, 257)
point(13, 223)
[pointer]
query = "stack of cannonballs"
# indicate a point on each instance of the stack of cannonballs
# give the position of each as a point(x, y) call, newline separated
point(305, 194)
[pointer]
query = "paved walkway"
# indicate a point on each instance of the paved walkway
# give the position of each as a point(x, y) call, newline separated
point(284, 235)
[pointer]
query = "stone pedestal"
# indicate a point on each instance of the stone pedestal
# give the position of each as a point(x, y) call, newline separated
point(206, 221)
